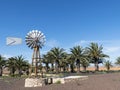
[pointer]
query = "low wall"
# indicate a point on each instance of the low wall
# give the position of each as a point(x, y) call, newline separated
point(34, 82)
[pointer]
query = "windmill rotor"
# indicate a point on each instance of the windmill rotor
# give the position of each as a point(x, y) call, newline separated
point(35, 38)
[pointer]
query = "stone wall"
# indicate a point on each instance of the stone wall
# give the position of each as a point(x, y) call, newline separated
point(34, 82)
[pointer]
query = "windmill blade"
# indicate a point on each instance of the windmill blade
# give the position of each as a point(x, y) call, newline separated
point(30, 45)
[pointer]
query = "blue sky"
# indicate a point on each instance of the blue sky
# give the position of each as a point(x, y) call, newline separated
point(65, 23)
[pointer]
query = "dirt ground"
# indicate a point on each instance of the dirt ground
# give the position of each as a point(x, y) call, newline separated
point(94, 82)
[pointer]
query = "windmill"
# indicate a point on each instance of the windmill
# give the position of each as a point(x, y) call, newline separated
point(35, 40)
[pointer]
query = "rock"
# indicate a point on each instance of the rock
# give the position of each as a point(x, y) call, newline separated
point(34, 82)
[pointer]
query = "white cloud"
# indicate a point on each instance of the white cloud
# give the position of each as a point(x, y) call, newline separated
point(52, 43)
point(6, 56)
point(97, 41)
point(113, 52)
point(44, 52)
point(112, 49)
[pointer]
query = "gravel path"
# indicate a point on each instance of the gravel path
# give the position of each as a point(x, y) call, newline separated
point(94, 82)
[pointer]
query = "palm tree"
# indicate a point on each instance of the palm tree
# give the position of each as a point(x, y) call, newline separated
point(11, 64)
point(108, 64)
point(117, 61)
point(96, 54)
point(78, 53)
point(51, 58)
point(64, 63)
point(2, 63)
point(85, 62)
point(71, 62)
point(21, 64)
point(57, 54)
point(26, 67)
point(46, 61)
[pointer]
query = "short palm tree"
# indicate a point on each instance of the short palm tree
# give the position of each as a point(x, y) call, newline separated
point(85, 62)
point(20, 64)
point(2, 63)
point(46, 61)
point(78, 53)
point(51, 59)
point(71, 62)
point(11, 64)
point(64, 63)
point(108, 64)
point(96, 54)
point(26, 67)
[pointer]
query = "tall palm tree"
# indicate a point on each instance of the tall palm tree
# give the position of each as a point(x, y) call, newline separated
point(108, 64)
point(2, 63)
point(78, 53)
point(117, 61)
point(96, 54)
point(11, 64)
point(57, 54)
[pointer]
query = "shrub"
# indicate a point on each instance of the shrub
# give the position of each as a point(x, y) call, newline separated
point(58, 82)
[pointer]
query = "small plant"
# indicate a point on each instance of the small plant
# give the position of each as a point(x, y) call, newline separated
point(58, 82)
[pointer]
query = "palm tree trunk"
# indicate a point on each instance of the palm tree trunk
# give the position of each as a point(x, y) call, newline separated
point(67, 68)
point(13, 70)
point(108, 68)
point(96, 66)
point(84, 68)
point(57, 68)
point(78, 68)
point(52, 67)
point(1, 71)
point(78, 65)
point(60, 68)
point(46, 67)
point(72, 68)
point(64, 68)
point(20, 72)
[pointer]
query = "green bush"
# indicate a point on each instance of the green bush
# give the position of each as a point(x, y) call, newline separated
point(58, 82)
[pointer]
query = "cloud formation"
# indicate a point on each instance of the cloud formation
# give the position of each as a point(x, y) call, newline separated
point(7, 56)
point(96, 41)
point(52, 43)
point(112, 49)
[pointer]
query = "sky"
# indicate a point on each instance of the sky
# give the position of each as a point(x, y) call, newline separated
point(65, 23)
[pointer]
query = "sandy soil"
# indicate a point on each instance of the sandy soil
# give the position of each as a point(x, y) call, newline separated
point(94, 82)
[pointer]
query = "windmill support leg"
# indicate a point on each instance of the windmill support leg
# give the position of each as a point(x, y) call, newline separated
point(35, 59)
point(35, 70)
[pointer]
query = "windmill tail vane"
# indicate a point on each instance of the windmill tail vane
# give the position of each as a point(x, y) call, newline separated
point(13, 41)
